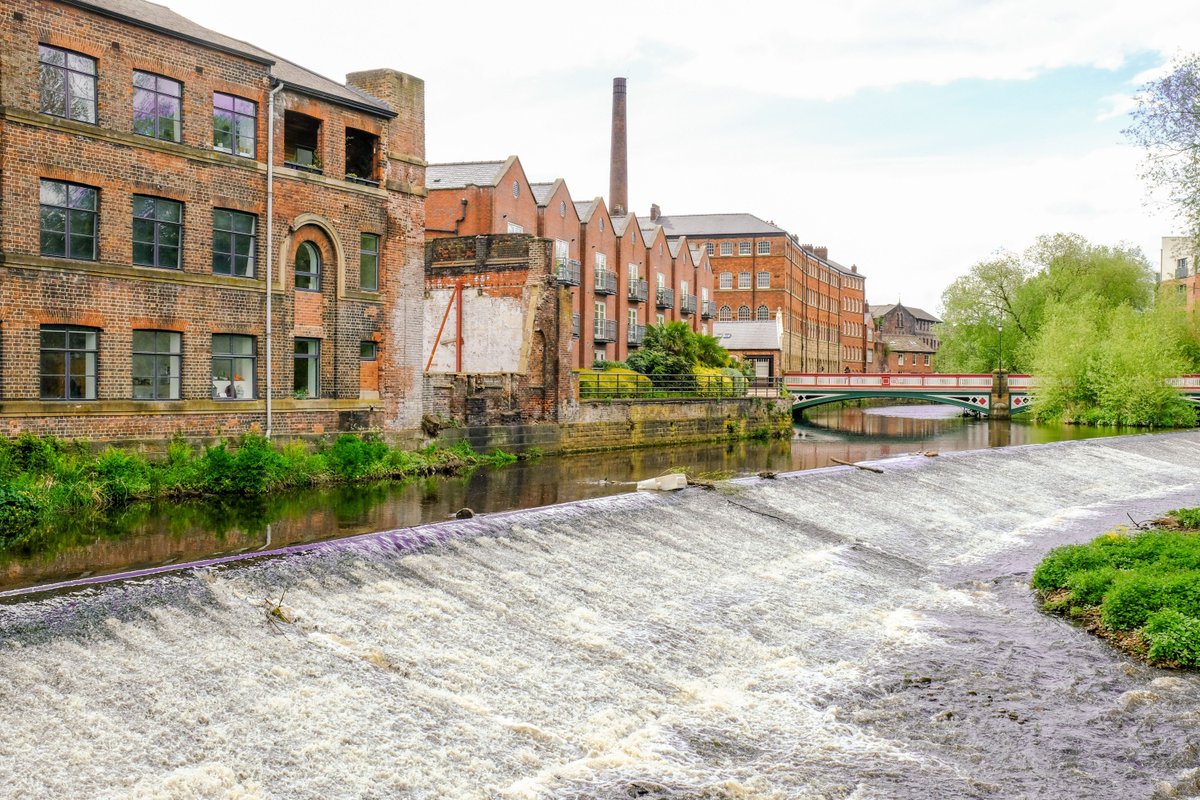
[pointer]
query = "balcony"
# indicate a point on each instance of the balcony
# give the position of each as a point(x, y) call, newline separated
point(664, 298)
point(567, 271)
point(638, 291)
point(708, 309)
point(606, 282)
point(575, 325)
point(1181, 271)
point(604, 330)
point(635, 335)
point(687, 304)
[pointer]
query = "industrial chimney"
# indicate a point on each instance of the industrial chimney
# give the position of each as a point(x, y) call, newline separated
point(618, 175)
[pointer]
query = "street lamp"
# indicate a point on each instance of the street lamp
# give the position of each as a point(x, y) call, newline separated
point(1000, 334)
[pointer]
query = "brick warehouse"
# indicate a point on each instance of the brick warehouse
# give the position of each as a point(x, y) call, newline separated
point(137, 150)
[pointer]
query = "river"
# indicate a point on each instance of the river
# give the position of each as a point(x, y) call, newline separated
point(830, 634)
point(149, 535)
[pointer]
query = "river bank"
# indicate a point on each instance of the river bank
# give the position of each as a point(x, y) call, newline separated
point(835, 633)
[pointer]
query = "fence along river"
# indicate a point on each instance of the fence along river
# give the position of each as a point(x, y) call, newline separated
point(829, 634)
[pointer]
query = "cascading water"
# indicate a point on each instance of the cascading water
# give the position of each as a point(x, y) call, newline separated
point(831, 634)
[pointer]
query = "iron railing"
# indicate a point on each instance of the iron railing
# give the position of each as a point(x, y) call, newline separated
point(604, 330)
point(1181, 270)
point(665, 298)
point(635, 335)
point(606, 282)
point(687, 304)
point(639, 290)
point(596, 385)
point(567, 272)
point(708, 309)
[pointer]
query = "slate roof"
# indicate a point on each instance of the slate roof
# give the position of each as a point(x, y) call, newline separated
point(906, 343)
point(883, 311)
point(542, 192)
point(463, 173)
point(700, 225)
point(759, 334)
point(164, 20)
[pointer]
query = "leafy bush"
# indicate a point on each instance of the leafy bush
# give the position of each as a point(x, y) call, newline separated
point(1056, 568)
point(37, 454)
point(719, 382)
point(217, 470)
point(613, 383)
point(351, 458)
point(1174, 638)
point(257, 467)
point(1187, 517)
point(19, 512)
point(121, 476)
point(1088, 586)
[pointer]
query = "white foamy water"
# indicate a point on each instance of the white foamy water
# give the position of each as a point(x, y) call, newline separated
point(837, 634)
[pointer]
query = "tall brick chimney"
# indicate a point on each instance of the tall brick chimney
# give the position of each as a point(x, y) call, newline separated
point(822, 252)
point(618, 174)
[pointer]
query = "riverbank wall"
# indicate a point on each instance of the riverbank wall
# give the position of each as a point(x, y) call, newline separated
point(617, 424)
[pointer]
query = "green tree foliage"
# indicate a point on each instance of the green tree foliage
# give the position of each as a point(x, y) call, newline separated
point(675, 349)
point(1016, 291)
point(1166, 123)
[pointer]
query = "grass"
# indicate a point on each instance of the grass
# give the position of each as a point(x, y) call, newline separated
point(44, 476)
point(1138, 589)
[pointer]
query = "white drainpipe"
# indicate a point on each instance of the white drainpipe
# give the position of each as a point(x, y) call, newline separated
point(270, 229)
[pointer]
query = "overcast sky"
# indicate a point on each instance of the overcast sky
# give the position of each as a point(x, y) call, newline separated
point(911, 138)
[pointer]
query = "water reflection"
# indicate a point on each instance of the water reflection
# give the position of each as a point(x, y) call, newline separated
point(151, 534)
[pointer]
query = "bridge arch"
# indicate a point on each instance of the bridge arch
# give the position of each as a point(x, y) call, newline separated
point(979, 402)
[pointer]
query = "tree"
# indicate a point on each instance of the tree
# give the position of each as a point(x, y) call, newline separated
point(1015, 292)
point(1166, 122)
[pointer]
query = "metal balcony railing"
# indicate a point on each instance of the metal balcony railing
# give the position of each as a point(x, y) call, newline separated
point(639, 291)
point(567, 272)
point(635, 335)
point(1181, 271)
point(708, 309)
point(594, 385)
point(606, 282)
point(687, 304)
point(664, 298)
point(604, 330)
point(575, 325)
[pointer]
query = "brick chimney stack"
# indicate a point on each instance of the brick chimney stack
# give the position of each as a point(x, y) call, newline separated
point(618, 175)
point(822, 252)
point(655, 212)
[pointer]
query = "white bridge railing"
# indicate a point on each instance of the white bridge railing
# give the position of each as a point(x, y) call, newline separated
point(822, 380)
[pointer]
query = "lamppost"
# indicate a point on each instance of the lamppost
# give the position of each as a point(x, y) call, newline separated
point(1000, 335)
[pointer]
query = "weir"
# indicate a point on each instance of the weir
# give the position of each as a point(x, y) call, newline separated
point(833, 633)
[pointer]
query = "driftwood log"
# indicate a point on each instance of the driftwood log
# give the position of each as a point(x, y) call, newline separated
point(856, 466)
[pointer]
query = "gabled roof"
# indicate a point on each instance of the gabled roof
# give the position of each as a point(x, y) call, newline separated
point(906, 343)
point(701, 225)
point(460, 174)
point(542, 192)
point(759, 334)
point(676, 246)
point(883, 311)
point(162, 19)
point(587, 209)
point(621, 222)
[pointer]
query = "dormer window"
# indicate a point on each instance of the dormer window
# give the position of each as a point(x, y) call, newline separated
point(361, 149)
point(301, 136)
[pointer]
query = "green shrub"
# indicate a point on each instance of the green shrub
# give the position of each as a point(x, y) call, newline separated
point(216, 470)
point(1131, 600)
point(37, 454)
point(351, 458)
point(1056, 568)
point(121, 476)
point(19, 512)
point(1186, 517)
point(256, 466)
point(613, 383)
point(1088, 586)
point(1174, 638)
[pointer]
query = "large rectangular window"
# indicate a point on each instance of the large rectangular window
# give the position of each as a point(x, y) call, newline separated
point(233, 362)
point(726, 280)
point(764, 248)
point(156, 365)
point(157, 106)
point(67, 84)
point(233, 243)
point(234, 124)
point(743, 280)
point(68, 220)
point(726, 248)
point(157, 231)
point(743, 248)
point(68, 362)
point(306, 377)
point(368, 262)
point(764, 280)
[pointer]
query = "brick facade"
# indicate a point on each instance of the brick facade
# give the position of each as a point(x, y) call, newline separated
point(111, 295)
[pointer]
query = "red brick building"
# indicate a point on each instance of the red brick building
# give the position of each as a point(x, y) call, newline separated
point(155, 174)
point(762, 271)
point(474, 198)
point(908, 339)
